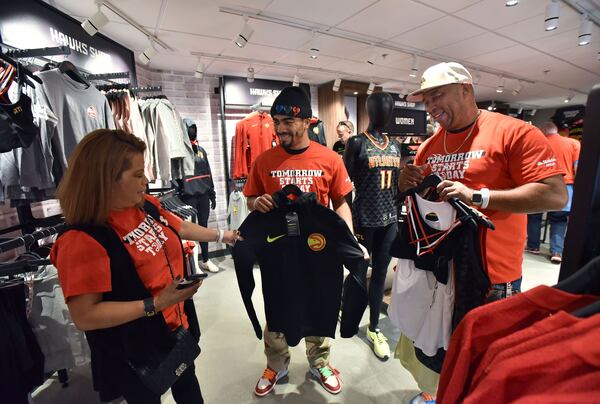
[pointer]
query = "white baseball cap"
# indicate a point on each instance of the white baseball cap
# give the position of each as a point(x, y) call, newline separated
point(440, 75)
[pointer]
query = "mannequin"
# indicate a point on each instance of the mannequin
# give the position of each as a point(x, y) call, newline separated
point(373, 162)
point(198, 190)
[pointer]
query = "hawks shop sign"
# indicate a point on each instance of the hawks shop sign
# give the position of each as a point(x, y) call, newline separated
point(46, 26)
point(407, 117)
point(239, 92)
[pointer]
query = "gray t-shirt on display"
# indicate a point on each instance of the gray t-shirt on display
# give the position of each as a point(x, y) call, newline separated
point(80, 109)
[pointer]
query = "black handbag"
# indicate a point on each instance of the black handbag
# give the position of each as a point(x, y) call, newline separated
point(161, 377)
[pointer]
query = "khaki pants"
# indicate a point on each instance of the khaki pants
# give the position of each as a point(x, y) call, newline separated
point(278, 354)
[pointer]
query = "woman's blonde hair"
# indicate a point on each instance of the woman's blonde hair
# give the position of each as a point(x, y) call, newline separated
point(85, 191)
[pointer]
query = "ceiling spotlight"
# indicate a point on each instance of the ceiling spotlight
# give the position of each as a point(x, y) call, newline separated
point(148, 54)
point(250, 74)
point(520, 111)
point(199, 73)
point(314, 47)
point(568, 99)
point(372, 55)
point(336, 84)
point(355, 93)
point(244, 36)
point(511, 3)
point(492, 106)
point(371, 88)
point(500, 88)
point(552, 14)
point(517, 90)
point(415, 67)
point(296, 82)
point(585, 31)
point(533, 111)
point(95, 22)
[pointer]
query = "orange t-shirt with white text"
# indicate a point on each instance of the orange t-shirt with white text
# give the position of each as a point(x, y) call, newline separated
point(84, 266)
point(502, 153)
point(317, 170)
point(566, 155)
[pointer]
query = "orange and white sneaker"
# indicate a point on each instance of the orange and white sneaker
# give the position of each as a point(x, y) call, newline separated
point(267, 381)
point(329, 378)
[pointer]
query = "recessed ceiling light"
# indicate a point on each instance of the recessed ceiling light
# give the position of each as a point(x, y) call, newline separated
point(511, 3)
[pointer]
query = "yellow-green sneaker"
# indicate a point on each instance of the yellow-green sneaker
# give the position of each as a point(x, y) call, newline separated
point(380, 345)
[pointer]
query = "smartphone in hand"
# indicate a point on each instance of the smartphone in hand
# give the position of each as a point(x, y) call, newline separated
point(191, 280)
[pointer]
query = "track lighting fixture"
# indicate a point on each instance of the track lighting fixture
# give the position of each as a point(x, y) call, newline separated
point(415, 67)
point(370, 88)
point(148, 54)
point(511, 3)
point(314, 47)
point(500, 88)
point(250, 74)
point(568, 99)
point(585, 31)
point(518, 89)
point(296, 81)
point(336, 84)
point(552, 15)
point(520, 111)
point(94, 23)
point(244, 36)
point(533, 112)
point(372, 55)
point(199, 73)
point(492, 106)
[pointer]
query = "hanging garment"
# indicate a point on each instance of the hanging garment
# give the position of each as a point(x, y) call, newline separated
point(16, 124)
point(489, 323)
point(63, 345)
point(301, 266)
point(80, 109)
point(375, 177)
point(237, 211)
point(421, 305)
point(253, 135)
point(22, 363)
point(316, 131)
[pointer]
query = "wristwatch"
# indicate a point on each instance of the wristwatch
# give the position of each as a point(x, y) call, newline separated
point(149, 309)
point(477, 198)
point(481, 198)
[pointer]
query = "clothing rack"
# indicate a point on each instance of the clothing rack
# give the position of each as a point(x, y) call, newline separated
point(162, 192)
point(108, 87)
point(21, 68)
point(107, 76)
point(259, 106)
point(37, 52)
point(28, 239)
point(147, 89)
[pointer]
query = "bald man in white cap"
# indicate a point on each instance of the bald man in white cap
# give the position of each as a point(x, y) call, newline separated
point(501, 165)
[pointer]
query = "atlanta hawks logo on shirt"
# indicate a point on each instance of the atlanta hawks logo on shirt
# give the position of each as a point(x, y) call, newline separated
point(453, 166)
point(91, 111)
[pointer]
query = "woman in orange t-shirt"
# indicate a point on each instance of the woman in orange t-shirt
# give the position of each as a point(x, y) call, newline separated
point(105, 186)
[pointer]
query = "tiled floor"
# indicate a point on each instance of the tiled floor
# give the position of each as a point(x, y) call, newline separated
point(232, 357)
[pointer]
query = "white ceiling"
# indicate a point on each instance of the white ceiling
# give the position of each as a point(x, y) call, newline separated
point(489, 38)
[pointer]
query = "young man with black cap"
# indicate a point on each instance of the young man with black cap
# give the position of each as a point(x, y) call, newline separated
point(313, 168)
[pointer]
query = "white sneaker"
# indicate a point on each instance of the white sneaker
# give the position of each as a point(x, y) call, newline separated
point(208, 266)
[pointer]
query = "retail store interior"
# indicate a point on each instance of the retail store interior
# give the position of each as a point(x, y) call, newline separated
point(195, 80)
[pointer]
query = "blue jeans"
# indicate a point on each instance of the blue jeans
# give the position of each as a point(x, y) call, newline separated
point(558, 227)
point(500, 291)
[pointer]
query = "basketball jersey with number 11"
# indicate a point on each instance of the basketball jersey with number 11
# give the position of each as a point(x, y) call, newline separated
point(376, 182)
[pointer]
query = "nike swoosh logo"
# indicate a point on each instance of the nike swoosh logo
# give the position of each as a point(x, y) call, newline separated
point(273, 239)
